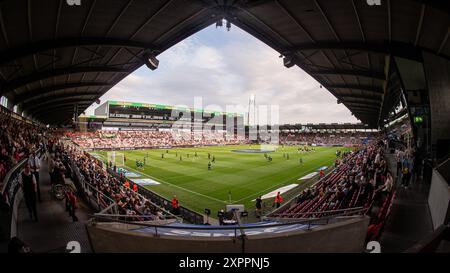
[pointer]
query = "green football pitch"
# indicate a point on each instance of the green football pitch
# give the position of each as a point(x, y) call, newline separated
point(241, 176)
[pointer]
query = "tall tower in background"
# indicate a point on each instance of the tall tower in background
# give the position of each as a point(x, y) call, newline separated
point(251, 115)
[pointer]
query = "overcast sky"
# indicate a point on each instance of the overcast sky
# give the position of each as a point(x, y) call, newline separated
point(225, 68)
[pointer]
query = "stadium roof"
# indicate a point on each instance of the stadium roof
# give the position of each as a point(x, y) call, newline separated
point(53, 55)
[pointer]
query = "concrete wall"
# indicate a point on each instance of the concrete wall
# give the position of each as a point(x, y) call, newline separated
point(345, 236)
point(439, 200)
point(437, 72)
point(102, 110)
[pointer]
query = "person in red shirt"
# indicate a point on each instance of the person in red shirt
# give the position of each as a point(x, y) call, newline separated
point(135, 188)
point(321, 174)
point(278, 200)
point(127, 184)
point(175, 205)
point(71, 205)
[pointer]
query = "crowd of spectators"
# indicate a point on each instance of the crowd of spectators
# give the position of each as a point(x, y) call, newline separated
point(325, 139)
point(361, 178)
point(123, 193)
point(18, 139)
point(147, 139)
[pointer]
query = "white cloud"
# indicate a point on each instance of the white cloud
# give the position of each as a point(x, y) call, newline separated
point(228, 72)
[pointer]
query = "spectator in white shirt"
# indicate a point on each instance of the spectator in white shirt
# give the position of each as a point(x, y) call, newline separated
point(35, 166)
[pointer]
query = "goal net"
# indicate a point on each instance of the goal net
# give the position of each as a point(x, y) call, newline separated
point(116, 158)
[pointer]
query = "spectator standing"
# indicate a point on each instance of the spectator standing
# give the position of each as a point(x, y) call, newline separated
point(221, 216)
point(29, 188)
point(71, 205)
point(399, 157)
point(175, 205)
point(278, 200)
point(258, 206)
point(35, 165)
point(51, 168)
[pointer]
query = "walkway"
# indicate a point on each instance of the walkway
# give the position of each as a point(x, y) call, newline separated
point(55, 228)
point(410, 219)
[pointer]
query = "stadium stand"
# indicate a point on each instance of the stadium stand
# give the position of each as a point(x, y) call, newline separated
point(102, 139)
point(324, 139)
point(129, 201)
point(18, 138)
point(145, 139)
point(361, 179)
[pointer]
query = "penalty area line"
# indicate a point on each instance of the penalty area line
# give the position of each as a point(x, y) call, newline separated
point(176, 186)
point(275, 186)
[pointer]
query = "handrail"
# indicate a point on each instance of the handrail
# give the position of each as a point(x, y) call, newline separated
point(196, 219)
point(287, 205)
point(206, 227)
point(84, 182)
point(142, 188)
point(14, 169)
point(352, 210)
point(10, 172)
point(9, 195)
point(108, 207)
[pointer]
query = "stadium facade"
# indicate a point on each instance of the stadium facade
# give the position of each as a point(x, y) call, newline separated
point(130, 115)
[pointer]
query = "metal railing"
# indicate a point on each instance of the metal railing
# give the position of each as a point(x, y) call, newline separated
point(10, 196)
point(121, 219)
point(185, 213)
point(95, 198)
point(98, 200)
point(338, 212)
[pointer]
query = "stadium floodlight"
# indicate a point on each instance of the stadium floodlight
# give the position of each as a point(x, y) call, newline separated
point(288, 61)
point(151, 61)
point(219, 23)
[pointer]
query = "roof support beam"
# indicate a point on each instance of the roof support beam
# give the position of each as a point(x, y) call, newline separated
point(49, 117)
point(444, 41)
point(395, 48)
point(357, 107)
point(66, 108)
point(63, 114)
point(308, 34)
point(11, 86)
point(44, 107)
point(420, 24)
point(58, 98)
point(363, 35)
point(361, 103)
point(30, 95)
point(358, 73)
point(437, 4)
point(369, 88)
point(25, 50)
point(362, 97)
